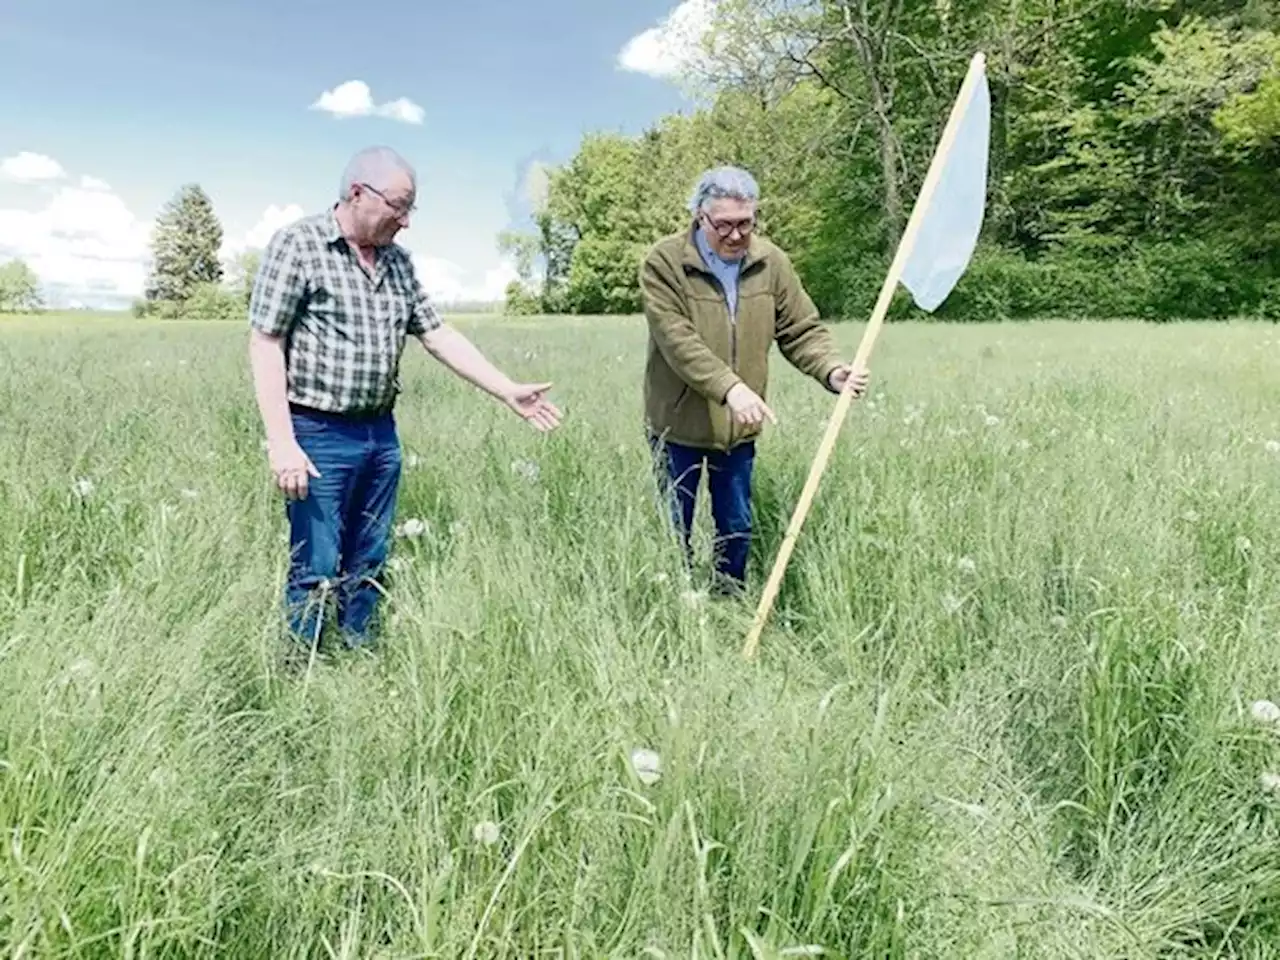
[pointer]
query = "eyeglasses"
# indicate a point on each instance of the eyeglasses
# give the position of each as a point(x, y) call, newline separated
point(399, 208)
point(725, 228)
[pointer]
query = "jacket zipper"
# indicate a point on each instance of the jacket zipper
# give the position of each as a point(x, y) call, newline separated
point(733, 338)
point(733, 349)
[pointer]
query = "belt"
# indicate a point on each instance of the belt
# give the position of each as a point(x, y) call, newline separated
point(351, 416)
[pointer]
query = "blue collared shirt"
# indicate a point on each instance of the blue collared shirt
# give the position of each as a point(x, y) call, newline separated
point(726, 271)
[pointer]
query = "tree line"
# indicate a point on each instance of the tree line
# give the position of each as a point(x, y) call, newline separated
point(1133, 165)
point(186, 279)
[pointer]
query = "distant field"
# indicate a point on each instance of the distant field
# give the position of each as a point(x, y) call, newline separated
point(1003, 708)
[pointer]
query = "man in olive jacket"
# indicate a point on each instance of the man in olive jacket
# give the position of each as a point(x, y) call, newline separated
point(716, 297)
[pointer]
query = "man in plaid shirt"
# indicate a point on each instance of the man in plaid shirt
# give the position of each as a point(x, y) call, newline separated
point(332, 305)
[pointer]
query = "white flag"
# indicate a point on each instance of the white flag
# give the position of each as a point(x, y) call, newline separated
point(952, 216)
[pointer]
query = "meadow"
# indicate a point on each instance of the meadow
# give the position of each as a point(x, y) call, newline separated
point(1011, 702)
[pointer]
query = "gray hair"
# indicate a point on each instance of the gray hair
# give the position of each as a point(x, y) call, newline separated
point(721, 182)
point(374, 166)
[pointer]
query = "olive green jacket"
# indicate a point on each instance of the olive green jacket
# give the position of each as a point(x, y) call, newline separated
point(697, 351)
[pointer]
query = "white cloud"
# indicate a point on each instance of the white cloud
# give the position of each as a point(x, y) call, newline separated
point(354, 99)
point(447, 282)
point(85, 244)
point(260, 234)
point(28, 167)
point(668, 49)
point(406, 111)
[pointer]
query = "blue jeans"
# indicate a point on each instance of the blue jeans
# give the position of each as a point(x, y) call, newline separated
point(729, 482)
point(339, 534)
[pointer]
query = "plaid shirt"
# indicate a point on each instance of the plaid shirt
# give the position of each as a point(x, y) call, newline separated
point(344, 331)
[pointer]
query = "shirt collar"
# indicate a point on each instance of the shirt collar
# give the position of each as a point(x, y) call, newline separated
point(332, 231)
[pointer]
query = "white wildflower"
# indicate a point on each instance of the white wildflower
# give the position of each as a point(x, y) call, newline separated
point(412, 528)
point(1058, 622)
point(1264, 711)
point(951, 603)
point(189, 494)
point(525, 468)
point(1244, 544)
point(1270, 782)
point(692, 598)
point(486, 832)
point(457, 528)
point(1273, 446)
point(992, 420)
point(966, 565)
point(413, 461)
point(647, 765)
point(83, 487)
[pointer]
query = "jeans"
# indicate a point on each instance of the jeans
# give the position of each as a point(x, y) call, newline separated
point(339, 533)
point(729, 481)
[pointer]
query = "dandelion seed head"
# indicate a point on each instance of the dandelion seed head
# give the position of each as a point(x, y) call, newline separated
point(413, 527)
point(486, 832)
point(1264, 711)
point(693, 598)
point(647, 765)
point(525, 468)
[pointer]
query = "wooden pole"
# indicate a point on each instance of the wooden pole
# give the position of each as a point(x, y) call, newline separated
point(900, 258)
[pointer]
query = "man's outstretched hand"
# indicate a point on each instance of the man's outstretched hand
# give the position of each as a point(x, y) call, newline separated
point(530, 402)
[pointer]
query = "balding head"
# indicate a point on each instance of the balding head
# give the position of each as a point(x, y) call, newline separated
point(376, 196)
point(379, 167)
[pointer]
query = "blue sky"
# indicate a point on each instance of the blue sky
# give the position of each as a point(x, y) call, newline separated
point(110, 107)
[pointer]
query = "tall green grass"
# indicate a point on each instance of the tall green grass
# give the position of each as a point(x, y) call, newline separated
point(1002, 709)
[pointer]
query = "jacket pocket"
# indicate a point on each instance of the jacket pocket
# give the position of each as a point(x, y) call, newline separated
point(680, 397)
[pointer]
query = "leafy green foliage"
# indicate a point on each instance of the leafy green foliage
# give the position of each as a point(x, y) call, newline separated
point(185, 247)
point(1133, 155)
